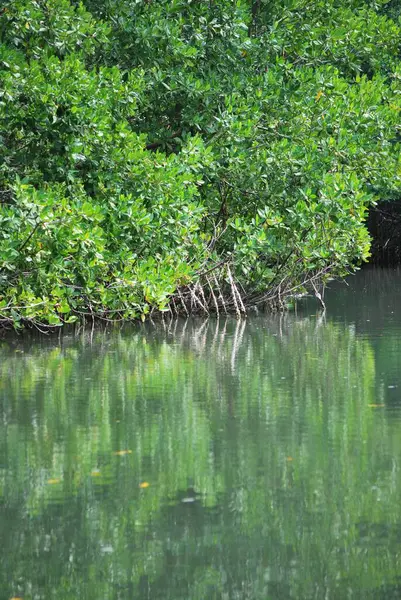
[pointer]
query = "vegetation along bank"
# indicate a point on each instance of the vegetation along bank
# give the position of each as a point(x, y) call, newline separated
point(185, 156)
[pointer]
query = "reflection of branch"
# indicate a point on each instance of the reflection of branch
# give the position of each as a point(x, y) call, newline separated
point(238, 335)
point(200, 337)
point(222, 339)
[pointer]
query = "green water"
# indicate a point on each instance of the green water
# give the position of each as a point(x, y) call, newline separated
point(207, 460)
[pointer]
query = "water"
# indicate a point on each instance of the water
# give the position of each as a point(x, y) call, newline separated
point(208, 460)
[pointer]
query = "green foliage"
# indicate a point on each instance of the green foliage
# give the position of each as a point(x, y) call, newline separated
point(145, 142)
point(40, 27)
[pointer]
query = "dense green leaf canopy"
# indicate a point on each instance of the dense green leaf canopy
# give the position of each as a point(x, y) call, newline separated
point(143, 143)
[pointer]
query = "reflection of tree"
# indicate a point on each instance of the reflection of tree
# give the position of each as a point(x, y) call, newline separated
point(269, 473)
point(370, 301)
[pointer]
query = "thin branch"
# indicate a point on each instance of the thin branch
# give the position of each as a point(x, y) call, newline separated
point(29, 236)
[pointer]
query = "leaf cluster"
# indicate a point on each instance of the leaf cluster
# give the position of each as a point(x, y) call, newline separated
point(144, 142)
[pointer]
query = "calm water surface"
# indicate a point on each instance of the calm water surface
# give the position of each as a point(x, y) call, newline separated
point(208, 460)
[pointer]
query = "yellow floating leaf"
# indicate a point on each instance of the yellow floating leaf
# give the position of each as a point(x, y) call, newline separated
point(16, 598)
point(376, 405)
point(53, 481)
point(95, 473)
point(144, 484)
point(289, 458)
point(122, 452)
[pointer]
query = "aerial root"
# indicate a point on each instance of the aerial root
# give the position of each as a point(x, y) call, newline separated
point(239, 305)
point(212, 294)
point(216, 291)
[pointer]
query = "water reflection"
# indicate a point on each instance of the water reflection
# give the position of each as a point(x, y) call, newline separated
point(200, 460)
point(371, 302)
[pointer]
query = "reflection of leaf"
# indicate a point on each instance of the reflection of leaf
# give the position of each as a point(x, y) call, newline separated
point(122, 452)
point(289, 458)
point(55, 480)
point(144, 484)
point(376, 405)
